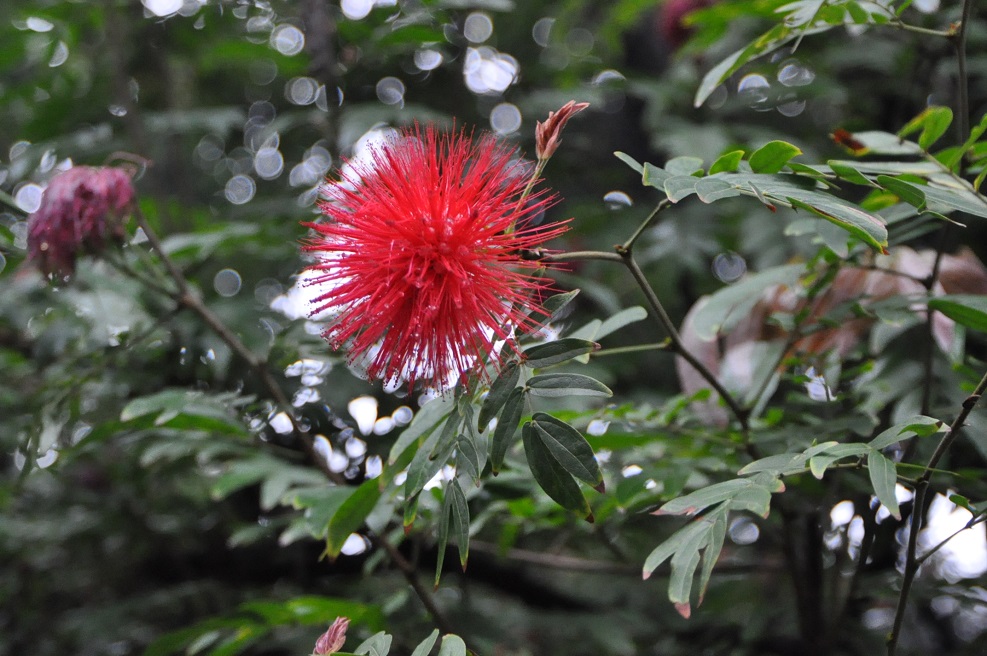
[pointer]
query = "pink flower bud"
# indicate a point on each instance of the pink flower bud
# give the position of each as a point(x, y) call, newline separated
point(332, 640)
point(82, 210)
point(548, 134)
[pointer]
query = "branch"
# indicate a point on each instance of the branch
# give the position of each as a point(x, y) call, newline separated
point(186, 298)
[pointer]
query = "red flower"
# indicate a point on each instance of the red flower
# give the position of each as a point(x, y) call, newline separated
point(81, 210)
point(422, 256)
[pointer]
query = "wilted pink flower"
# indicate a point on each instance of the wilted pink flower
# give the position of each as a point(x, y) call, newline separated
point(548, 135)
point(82, 210)
point(423, 257)
point(332, 640)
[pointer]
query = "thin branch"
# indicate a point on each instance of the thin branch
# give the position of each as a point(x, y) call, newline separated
point(970, 524)
point(629, 244)
point(907, 27)
point(921, 491)
point(661, 316)
point(963, 94)
point(638, 348)
point(573, 256)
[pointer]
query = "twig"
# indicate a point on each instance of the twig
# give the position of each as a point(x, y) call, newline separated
point(637, 348)
point(629, 244)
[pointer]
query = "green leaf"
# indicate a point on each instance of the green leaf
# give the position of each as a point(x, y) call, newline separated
point(884, 477)
point(623, 318)
point(933, 122)
point(569, 448)
point(866, 227)
point(684, 536)
point(771, 40)
point(545, 355)
point(242, 474)
point(467, 458)
point(629, 161)
point(192, 410)
point(782, 464)
point(720, 312)
point(431, 457)
point(920, 426)
point(904, 190)
point(849, 173)
point(977, 131)
point(376, 645)
point(425, 646)
point(320, 504)
point(460, 520)
point(499, 391)
point(452, 645)
point(424, 422)
point(712, 189)
point(554, 304)
point(683, 548)
point(351, 515)
point(772, 156)
point(680, 186)
point(684, 166)
point(755, 499)
point(550, 476)
point(703, 498)
point(717, 534)
point(654, 176)
point(444, 521)
point(944, 200)
point(684, 564)
point(965, 309)
point(563, 385)
point(506, 428)
point(410, 511)
point(727, 162)
point(884, 143)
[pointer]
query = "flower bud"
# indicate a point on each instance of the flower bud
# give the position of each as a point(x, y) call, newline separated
point(82, 210)
point(548, 134)
point(332, 640)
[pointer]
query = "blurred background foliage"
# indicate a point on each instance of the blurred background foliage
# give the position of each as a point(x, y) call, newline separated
point(149, 484)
